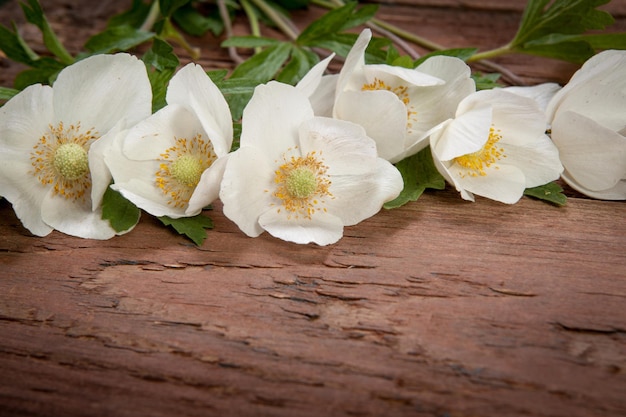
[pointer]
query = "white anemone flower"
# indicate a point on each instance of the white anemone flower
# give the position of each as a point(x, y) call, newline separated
point(495, 147)
point(398, 106)
point(46, 135)
point(171, 164)
point(588, 121)
point(300, 177)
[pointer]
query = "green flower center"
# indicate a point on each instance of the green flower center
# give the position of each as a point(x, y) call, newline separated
point(187, 170)
point(71, 161)
point(301, 183)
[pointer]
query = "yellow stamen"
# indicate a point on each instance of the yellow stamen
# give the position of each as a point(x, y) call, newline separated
point(181, 168)
point(476, 162)
point(302, 185)
point(59, 159)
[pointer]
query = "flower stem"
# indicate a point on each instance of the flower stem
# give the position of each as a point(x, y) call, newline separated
point(505, 49)
point(253, 19)
point(275, 17)
point(153, 14)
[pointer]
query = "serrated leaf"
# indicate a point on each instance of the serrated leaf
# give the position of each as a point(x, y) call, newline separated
point(161, 63)
point(34, 14)
point(237, 92)
point(543, 19)
point(336, 21)
point(300, 63)
point(551, 192)
point(117, 38)
point(196, 24)
point(486, 81)
point(263, 66)
point(192, 227)
point(121, 213)
point(418, 173)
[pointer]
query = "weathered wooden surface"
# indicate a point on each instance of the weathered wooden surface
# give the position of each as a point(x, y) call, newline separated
point(440, 308)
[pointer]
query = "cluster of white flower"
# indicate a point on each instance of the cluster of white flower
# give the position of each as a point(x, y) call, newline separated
point(312, 158)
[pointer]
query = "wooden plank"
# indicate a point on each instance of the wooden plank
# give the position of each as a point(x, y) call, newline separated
point(439, 308)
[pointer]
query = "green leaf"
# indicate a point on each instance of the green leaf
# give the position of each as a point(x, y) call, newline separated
point(45, 71)
point(335, 21)
point(249, 42)
point(134, 16)
point(486, 81)
point(237, 92)
point(543, 19)
point(263, 66)
point(192, 227)
point(117, 38)
point(418, 173)
point(551, 192)
point(161, 63)
point(196, 24)
point(300, 63)
point(168, 7)
point(7, 93)
point(14, 47)
point(121, 213)
point(34, 14)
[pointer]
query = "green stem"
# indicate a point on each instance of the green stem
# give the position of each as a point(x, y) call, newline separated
point(276, 18)
point(153, 14)
point(503, 50)
point(255, 29)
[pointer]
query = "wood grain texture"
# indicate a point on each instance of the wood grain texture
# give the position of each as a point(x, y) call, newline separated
point(439, 308)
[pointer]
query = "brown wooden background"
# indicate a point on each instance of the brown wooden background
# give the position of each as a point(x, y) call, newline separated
point(440, 308)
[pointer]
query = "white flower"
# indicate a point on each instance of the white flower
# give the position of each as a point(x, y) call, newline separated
point(588, 118)
point(495, 147)
point(46, 133)
point(171, 164)
point(398, 106)
point(299, 177)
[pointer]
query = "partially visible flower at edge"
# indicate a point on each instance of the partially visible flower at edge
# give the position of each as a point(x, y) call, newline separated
point(299, 177)
point(171, 164)
point(46, 136)
point(495, 147)
point(588, 125)
point(398, 106)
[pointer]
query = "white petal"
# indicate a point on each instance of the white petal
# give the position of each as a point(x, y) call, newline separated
point(410, 76)
point(311, 81)
point(351, 74)
point(539, 161)
point(358, 197)
point(75, 218)
point(444, 169)
point(466, 134)
point(100, 173)
point(602, 79)
point(208, 187)
point(323, 99)
point(594, 156)
point(25, 118)
point(618, 192)
point(153, 136)
point(148, 198)
point(541, 93)
point(102, 89)
point(343, 146)
point(504, 183)
point(381, 113)
point(192, 88)
point(272, 117)
point(245, 190)
point(322, 229)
